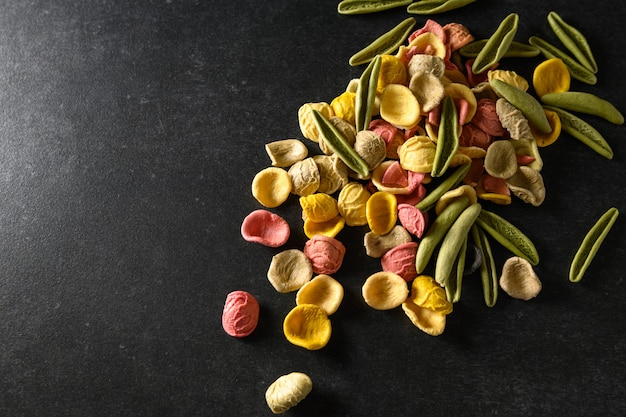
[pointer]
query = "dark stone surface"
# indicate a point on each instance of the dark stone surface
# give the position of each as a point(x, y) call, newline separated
point(130, 132)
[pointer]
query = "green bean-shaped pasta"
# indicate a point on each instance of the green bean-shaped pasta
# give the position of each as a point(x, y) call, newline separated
point(577, 70)
point(447, 137)
point(366, 94)
point(427, 7)
point(453, 179)
point(488, 273)
point(573, 40)
point(369, 6)
point(515, 50)
point(591, 243)
point(497, 44)
point(384, 44)
point(524, 102)
point(587, 103)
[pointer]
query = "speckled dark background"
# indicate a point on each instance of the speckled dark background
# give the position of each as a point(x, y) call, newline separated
point(130, 132)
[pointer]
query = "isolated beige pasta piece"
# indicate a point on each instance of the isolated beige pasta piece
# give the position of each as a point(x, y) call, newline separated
point(286, 152)
point(384, 290)
point(271, 187)
point(287, 391)
point(519, 280)
point(323, 291)
point(289, 270)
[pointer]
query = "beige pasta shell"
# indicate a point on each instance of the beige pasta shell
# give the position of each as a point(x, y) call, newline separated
point(519, 279)
point(528, 185)
point(370, 147)
point(423, 63)
point(385, 290)
point(399, 106)
point(500, 160)
point(287, 391)
point(377, 245)
point(289, 270)
point(428, 89)
point(333, 173)
point(305, 177)
point(323, 291)
point(513, 120)
point(286, 152)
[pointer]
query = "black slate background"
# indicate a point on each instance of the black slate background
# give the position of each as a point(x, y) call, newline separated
point(129, 135)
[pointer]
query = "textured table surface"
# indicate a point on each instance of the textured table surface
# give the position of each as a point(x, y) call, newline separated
point(130, 132)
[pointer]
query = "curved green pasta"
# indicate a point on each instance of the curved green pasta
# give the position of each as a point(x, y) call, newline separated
point(366, 94)
point(591, 243)
point(515, 50)
point(508, 236)
point(497, 44)
point(488, 272)
point(573, 40)
point(583, 131)
point(385, 44)
point(455, 178)
point(587, 103)
point(452, 242)
point(339, 145)
point(447, 137)
point(577, 70)
point(524, 102)
point(427, 7)
point(369, 6)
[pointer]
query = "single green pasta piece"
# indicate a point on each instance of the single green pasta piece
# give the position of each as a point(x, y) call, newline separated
point(454, 284)
point(385, 44)
point(524, 102)
point(369, 6)
point(339, 145)
point(452, 242)
point(488, 273)
point(497, 44)
point(366, 94)
point(591, 243)
point(577, 70)
point(583, 131)
point(574, 41)
point(587, 103)
point(508, 235)
point(515, 50)
point(447, 137)
point(451, 181)
point(427, 7)
point(437, 230)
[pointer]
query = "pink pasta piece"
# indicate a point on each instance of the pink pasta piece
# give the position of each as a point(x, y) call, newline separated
point(325, 253)
point(412, 218)
point(264, 227)
point(414, 197)
point(395, 176)
point(495, 185)
point(486, 118)
point(241, 314)
point(401, 260)
point(432, 27)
